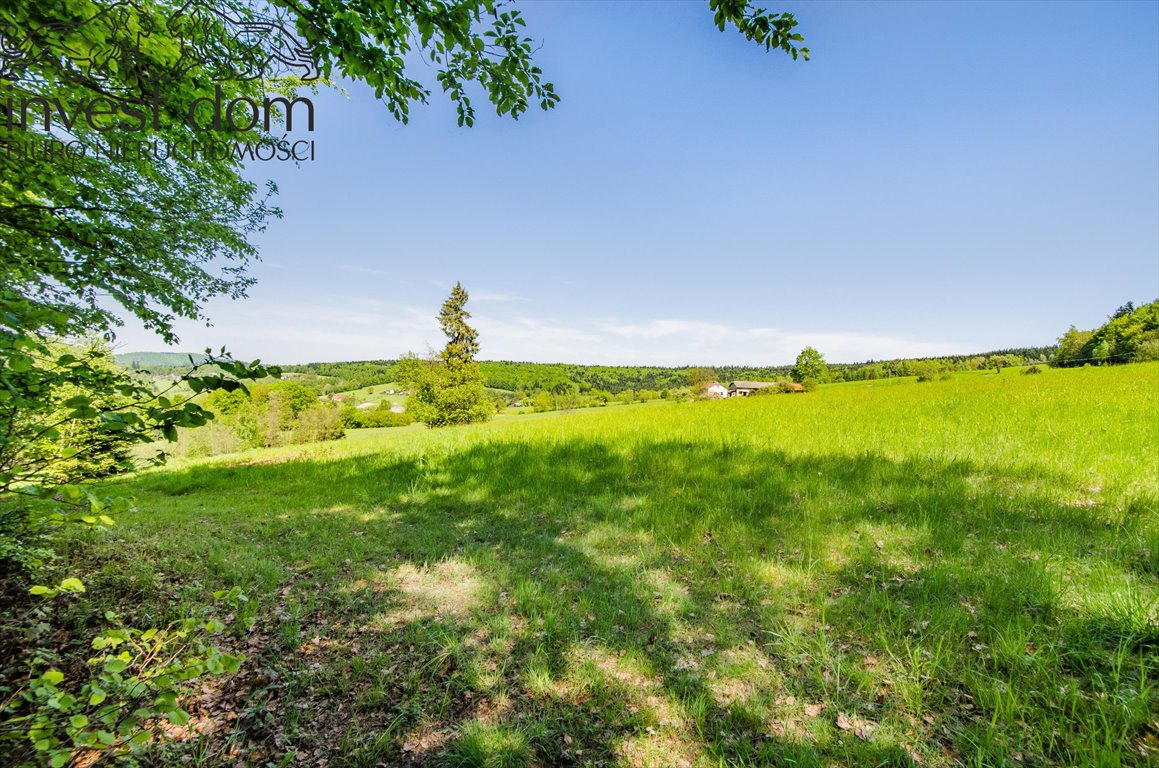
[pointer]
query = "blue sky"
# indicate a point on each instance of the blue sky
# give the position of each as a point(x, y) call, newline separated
point(940, 178)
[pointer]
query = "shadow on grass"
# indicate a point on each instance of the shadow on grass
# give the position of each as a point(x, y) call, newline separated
point(573, 603)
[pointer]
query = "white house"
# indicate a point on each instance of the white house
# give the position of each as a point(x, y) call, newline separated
point(716, 391)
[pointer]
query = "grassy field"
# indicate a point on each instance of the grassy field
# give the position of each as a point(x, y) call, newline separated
point(961, 572)
point(376, 395)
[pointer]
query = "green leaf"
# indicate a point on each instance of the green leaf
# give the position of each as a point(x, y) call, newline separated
point(72, 584)
point(53, 677)
point(78, 721)
point(97, 695)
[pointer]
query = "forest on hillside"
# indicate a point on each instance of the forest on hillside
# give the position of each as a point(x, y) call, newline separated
point(562, 378)
point(522, 378)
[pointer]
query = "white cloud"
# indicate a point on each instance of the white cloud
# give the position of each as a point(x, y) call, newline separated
point(678, 341)
point(351, 328)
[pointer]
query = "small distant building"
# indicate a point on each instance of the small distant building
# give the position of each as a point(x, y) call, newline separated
point(715, 391)
point(397, 408)
point(339, 397)
point(746, 388)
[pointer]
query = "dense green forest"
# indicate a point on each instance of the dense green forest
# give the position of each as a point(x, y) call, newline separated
point(1130, 334)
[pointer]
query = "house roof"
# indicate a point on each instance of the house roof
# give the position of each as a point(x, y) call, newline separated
point(751, 384)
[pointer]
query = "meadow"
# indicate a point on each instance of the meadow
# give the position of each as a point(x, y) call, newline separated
point(376, 394)
point(960, 572)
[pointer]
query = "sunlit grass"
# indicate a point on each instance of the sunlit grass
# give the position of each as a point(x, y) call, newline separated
point(957, 572)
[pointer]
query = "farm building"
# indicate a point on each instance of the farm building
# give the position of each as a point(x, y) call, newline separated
point(746, 388)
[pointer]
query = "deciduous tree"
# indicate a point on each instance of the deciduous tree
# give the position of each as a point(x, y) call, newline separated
point(810, 367)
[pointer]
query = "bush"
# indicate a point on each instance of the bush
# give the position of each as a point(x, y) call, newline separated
point(925, 370)
point(214, 439)
point(1031, 370)
point(319, 422)
point(1147, 349)
point(121, 699)
point(352, 418)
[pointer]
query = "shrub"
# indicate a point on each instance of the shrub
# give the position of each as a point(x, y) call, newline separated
point(214, 439)
point(125, 698)
point(925, 370)
point(352, 418)
point(1147, 349)
point(320, 422)
point(1031, 370)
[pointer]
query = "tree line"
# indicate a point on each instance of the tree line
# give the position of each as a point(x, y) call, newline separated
point(526, 380)
point(1131, 334)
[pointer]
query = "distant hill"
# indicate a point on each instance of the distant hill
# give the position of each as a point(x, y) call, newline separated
point(560, 378)
point(159, 359)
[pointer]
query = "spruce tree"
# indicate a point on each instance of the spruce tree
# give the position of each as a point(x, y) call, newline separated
point(453, 392)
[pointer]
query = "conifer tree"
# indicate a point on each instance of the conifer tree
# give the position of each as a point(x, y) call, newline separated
point(451, 390)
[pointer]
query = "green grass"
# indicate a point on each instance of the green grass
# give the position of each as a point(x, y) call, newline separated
point(375, 394)
point(962, 572)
